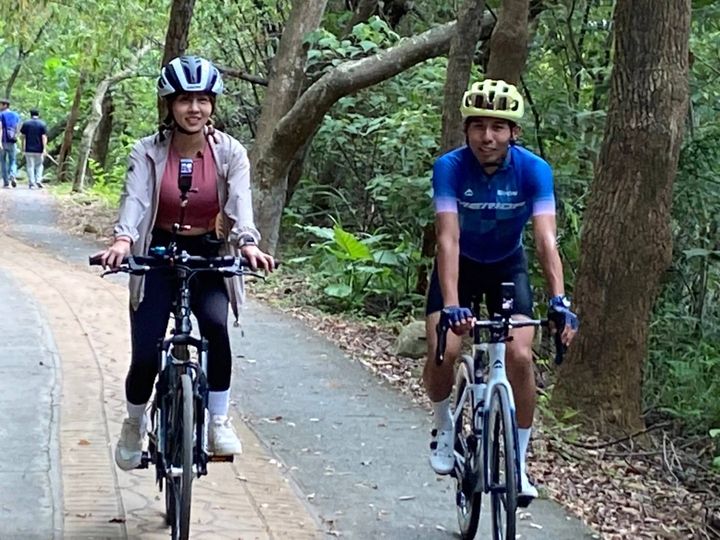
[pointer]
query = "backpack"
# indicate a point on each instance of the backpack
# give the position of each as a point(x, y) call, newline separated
point(9, 134)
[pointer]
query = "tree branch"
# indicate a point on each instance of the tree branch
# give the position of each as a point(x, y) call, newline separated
point(352, 76)
point(96, 114)
point(239, 74)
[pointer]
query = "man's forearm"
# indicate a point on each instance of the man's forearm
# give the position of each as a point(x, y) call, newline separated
point(448, 271)
point(551, 264)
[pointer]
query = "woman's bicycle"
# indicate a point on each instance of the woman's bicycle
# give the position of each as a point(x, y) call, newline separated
point(487, 457)
point(177, 436)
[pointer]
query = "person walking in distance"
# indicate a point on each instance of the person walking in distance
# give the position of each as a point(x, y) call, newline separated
point(34, 146)
point(9, 121)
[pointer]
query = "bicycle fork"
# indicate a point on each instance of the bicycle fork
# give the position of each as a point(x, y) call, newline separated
point(497, 376)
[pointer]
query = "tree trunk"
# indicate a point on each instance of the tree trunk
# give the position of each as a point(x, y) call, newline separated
point(508, 44)
point(176, 38)
point(296, 167)
point(273, 158)
point(66, 147)
point(96, 115)
point(22, 55)
point(104, 131)
point(288, 74)
point(284, 88)
point(626, 238)
point(394, 10)
point(15, 73)
point(460, 58)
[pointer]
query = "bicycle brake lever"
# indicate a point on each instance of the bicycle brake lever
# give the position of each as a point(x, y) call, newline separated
point(441, 330)
point(253, 274)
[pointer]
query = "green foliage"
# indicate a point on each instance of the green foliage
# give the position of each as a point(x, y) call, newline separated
point(715, 434)
point(107, 184)
point(357, 272)
point(683, 375)
point(369, 169)
point(327, 51)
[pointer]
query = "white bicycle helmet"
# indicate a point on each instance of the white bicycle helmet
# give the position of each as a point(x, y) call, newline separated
point(189, 74)
point(493, 98)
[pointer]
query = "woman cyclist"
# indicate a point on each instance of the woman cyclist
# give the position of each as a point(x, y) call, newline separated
point(219, 209)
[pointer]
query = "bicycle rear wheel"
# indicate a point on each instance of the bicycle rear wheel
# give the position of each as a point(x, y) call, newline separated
point(178, 496)
point(503, 466)
point(468, 496)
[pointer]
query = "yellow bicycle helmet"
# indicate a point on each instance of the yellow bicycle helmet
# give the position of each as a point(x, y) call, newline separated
point(495, 99)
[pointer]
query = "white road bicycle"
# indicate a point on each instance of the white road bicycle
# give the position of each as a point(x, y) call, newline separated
point(486, 442)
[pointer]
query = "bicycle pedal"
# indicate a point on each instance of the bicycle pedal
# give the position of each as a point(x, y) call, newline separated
point(144, 461)
point(214, 458)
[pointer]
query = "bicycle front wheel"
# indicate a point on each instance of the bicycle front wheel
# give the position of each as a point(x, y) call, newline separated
point(468, 493)
point(503, 466)
point(179, 484)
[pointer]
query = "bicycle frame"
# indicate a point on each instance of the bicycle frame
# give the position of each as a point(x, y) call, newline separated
point(480, 390)
point(169, 348)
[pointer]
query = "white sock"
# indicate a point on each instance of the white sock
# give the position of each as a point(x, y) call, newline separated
point(218, 403)
point(523, 442)
point(136, 411)
point(443, 420)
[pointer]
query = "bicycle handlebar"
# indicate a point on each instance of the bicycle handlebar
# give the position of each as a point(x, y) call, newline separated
point(139, 265)
point(501, 324)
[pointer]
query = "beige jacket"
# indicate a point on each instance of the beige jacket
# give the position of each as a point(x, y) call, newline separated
point(141, 195)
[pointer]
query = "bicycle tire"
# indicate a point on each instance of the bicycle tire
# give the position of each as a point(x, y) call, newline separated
point(187, 455)
point(178, 494)
point(169, 415)
point(468, 498)
point(503, 479)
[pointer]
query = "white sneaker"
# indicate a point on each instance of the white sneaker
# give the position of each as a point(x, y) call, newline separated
point(128, 451)
point(222, 440)
point(527, 491)
point(442, 456)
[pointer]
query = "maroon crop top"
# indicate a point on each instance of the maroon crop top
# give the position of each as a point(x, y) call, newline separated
point(203, 206)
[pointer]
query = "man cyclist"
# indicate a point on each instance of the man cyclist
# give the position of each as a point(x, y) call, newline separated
point(484, 194)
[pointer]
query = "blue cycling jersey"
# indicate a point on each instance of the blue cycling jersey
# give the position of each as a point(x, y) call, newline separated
point(492, 209)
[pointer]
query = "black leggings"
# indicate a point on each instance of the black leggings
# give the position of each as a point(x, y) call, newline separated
point(209, 304)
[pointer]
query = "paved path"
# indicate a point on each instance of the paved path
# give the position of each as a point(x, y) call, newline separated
point(77, 491)
point(322, 436)
point(30, 484)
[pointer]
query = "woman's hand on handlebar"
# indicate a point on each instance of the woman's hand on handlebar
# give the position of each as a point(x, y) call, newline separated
point(113, 256)
point(258, 259)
